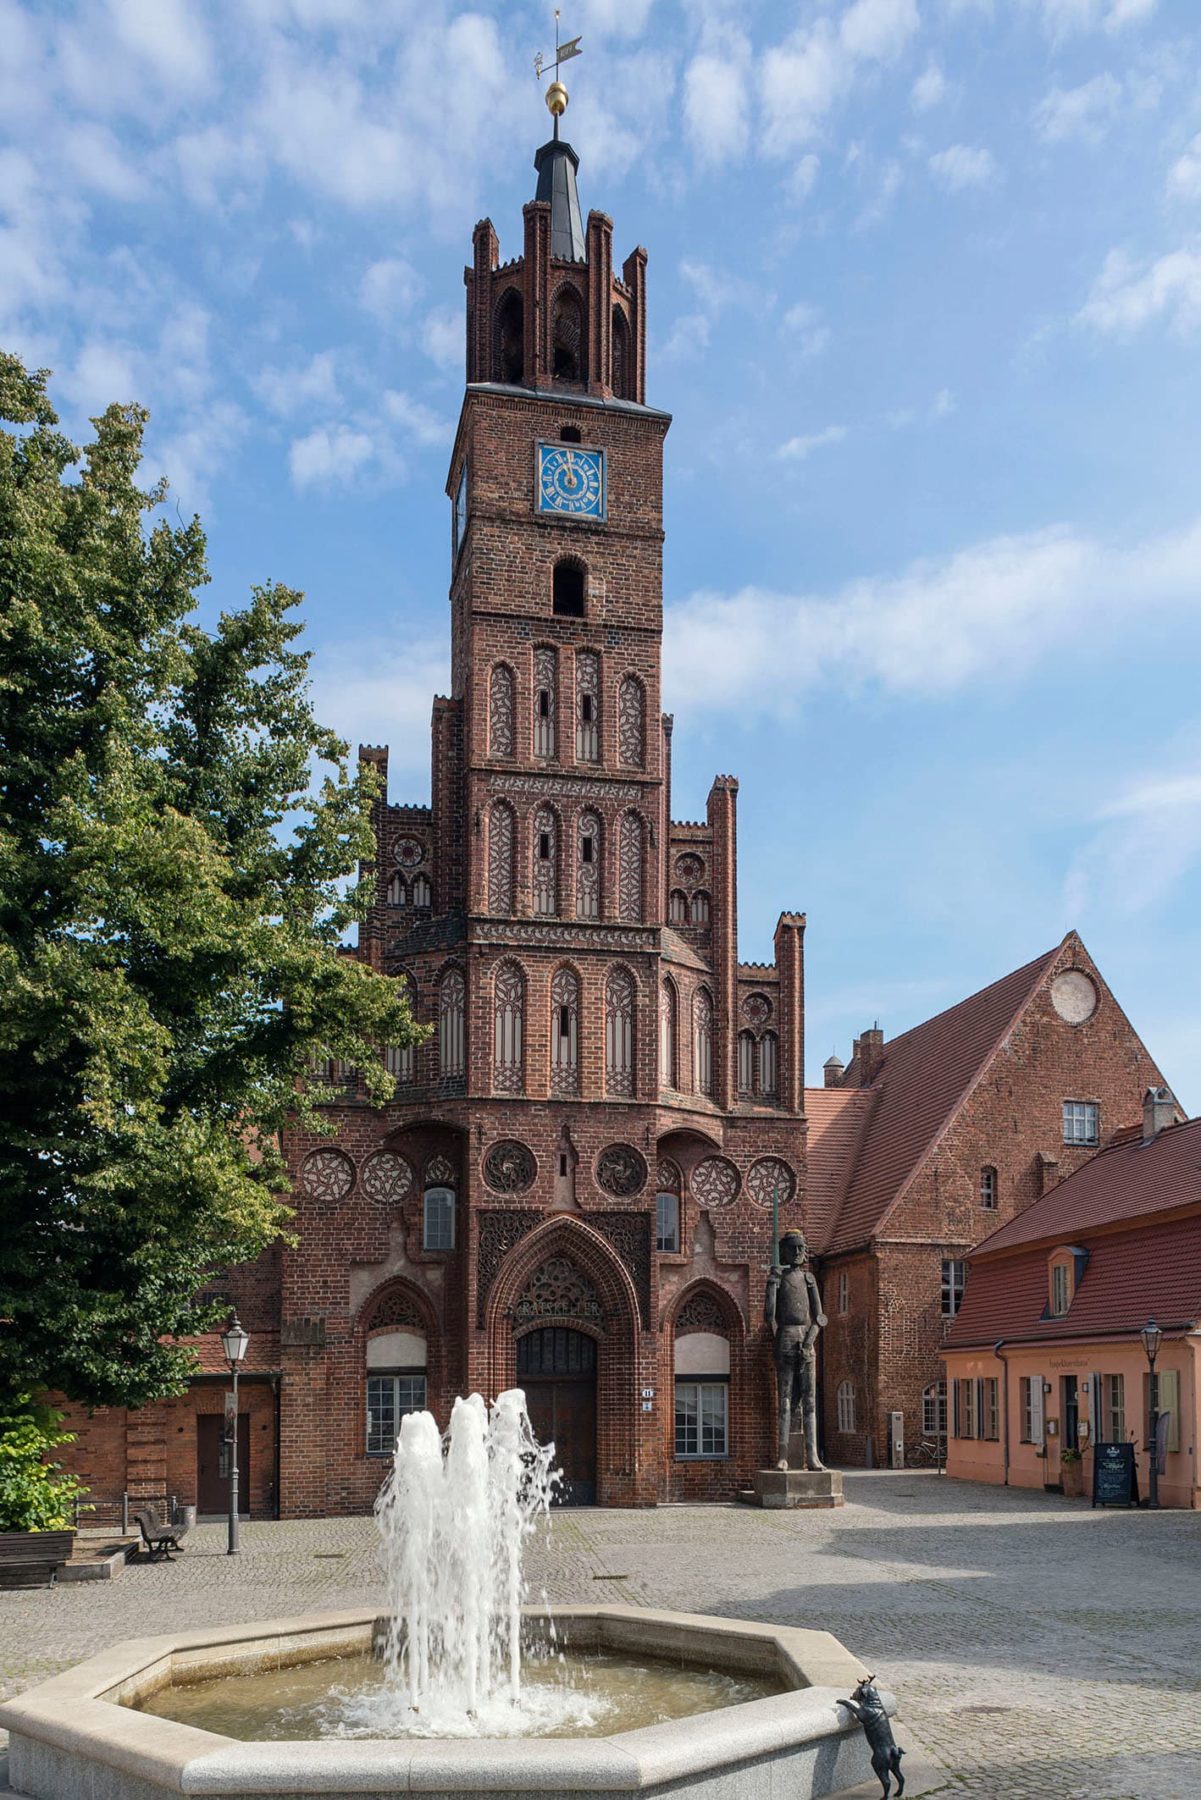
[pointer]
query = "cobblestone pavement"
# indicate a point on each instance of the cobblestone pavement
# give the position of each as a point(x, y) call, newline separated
point(1038, 1649)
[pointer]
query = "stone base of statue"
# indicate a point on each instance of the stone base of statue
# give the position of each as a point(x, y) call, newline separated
point(779, 1488)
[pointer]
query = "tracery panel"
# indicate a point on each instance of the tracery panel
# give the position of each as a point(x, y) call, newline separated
point(631, 723)
point(587, 704)
point(501, 711)
point(588, 862)
point(619, 1033)
point(452, 1023)
point(546, 862)
point(501, 841)
point(629, 868)
point(702, 1026)
point(545, 684)
point(508, 1029)
point(564, 1035)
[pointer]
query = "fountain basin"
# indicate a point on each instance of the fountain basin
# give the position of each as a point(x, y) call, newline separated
point(79, 1737)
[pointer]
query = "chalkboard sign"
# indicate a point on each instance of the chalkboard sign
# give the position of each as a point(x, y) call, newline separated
point(1115, 1478)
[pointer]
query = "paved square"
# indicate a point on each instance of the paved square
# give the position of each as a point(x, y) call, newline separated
point(1038, 1648)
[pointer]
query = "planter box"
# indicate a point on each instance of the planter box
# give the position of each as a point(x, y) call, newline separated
point(29, 1558)
point(1073, 1480)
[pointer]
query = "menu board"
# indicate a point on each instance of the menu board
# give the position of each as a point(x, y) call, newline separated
point(1115, 1478)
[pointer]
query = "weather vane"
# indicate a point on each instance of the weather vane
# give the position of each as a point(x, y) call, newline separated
point(556, 93)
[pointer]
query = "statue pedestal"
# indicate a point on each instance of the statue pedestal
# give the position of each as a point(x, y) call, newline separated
point(778, 1488)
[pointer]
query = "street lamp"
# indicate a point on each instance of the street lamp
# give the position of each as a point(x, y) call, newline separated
point(1152, 1337)
point(234, 1340)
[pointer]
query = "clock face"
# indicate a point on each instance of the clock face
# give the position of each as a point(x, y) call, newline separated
point(571, 481)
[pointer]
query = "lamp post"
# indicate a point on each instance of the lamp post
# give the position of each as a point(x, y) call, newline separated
point(1152, 1337)
point(234, 1340)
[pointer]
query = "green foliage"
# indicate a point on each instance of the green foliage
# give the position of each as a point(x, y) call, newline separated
point(34, 1493)
point(175, 883)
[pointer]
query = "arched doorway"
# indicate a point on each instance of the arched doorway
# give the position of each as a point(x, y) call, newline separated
point(556, 1366)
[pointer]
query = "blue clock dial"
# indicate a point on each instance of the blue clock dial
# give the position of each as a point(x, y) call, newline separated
point(571, 480)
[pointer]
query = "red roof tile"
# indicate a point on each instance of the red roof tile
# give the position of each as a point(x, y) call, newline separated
point(836, 1117)
point(925, 1076)
point(1125, 1181)
point(1150, 1271)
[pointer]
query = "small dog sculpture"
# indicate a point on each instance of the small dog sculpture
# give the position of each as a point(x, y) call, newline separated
point(868, 1708)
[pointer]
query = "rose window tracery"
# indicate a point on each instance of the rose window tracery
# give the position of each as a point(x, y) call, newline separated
point(386, 1177)
point(756, 1010)
point(327, 1175)
point(768, 1177)
point(701, 1311)
point(621, 1171)
point(509, 1167)
point(689, 868)
point(715, 1181)
point(439, 1172)
point(409, 852)
point(395, 1312)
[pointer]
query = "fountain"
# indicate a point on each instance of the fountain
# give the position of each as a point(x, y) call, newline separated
point(460, 1686)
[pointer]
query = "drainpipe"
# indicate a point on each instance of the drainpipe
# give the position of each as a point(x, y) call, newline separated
point(998, 1351)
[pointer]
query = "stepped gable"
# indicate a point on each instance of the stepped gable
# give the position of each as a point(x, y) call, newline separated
point(923, 1079)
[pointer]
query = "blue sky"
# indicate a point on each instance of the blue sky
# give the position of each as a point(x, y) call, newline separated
point(925, 293)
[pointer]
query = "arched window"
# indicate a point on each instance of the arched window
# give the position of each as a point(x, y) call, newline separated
point(631, 723)
point(501, 836)
point(934, 1409)
point(570, 434)
point(567, 337)
point(396, 1364)
point(846, 1406)
point(546, 861)
point(619, 1034)
point(587, 870)
point(677, 907)
point(545, 682)
point(587, 706)
point(746, 1064)
point(629, 868)
point(567, 589)
point(452, 1023)
point(988, 1188)
point(769, 1065)
point(621, 355)
point(667, 1035)
point(667, 1222)
point(398, 1058)
point(507, 1029)
point(700, 907)
point(398, 894)
point(438, 1223)
point(702, 1379)
point(500, 711)
point(702, 1020)
point(564, 1032)
point(508, 359)
point(421, 890)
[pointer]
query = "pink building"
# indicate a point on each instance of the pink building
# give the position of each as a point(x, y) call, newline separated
point(1045, 1359)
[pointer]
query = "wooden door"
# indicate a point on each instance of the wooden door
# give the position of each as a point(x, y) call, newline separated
point(213, 1464)
point(557, 1369)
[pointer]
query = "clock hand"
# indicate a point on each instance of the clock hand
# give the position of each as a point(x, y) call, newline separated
point(571, 475)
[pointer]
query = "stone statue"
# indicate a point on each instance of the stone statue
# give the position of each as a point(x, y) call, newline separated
point(793, 1309)
point(868, 1708)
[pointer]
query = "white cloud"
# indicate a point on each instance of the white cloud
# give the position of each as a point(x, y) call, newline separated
point(1085, 112)
point(330, 456)
point(962, 166)
point(417, 420)
point(1147, 838)
point(878, 30)
point(929, 89)
point(715, 98)
point(102, 373)
point(443, 338)
point(806, 333)
point(195, 454)
point(1064, 18)
point(95, 159)
point(168, 35)
point(1184, 176)
point(688, 336)
point(390, 288)
point(1128, 295)
point(797, 449)
point(377, 693)
point(988, 612)
point(800, 182)
point(803, 78)
point(300, 387)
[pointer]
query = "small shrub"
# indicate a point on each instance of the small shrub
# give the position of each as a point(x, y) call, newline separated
point(35, 1494)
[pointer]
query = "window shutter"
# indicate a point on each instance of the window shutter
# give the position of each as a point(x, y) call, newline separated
point(979, 1406)
point(955, 1402)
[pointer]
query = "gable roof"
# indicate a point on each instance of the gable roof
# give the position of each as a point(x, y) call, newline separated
point(836, 1118)
point(924, 1077)
point(1129, 1180)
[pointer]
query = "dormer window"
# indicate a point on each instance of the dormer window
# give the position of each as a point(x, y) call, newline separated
point(1064, 1272)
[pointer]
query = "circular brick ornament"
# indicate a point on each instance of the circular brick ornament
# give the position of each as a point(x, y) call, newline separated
point(386, 1177)
point(509, 1167)
point(756, 1009)
point(327, 1175)
point(767, 1177)
point(409, 852)
point(621, 1171)
point(689, 868)
point(715, 1181)
point(1074, 996)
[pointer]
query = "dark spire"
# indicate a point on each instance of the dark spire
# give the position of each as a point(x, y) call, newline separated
point(556, 163)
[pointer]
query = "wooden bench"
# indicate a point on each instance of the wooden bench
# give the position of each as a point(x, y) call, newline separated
point(158, 1538)
point(30, 1558)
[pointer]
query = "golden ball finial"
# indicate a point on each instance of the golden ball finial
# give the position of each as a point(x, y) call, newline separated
point(556, 98)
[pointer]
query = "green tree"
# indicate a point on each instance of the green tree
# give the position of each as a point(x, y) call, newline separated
point(176, 879)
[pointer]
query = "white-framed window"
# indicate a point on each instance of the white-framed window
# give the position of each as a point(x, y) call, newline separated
point(990, 1422)
point(1030, 1403)
point(967, 1408)
point(846, 1406)
point(934, 1410)
point(438, 1225)
point(954, 1274)
point(1081, 1122)
point(389, 1397)
point(844, 1290)
point(988, 1188)
point(702, 1419)
point(667, 1222)
point(1113, 1408)
point(1060, 1290)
